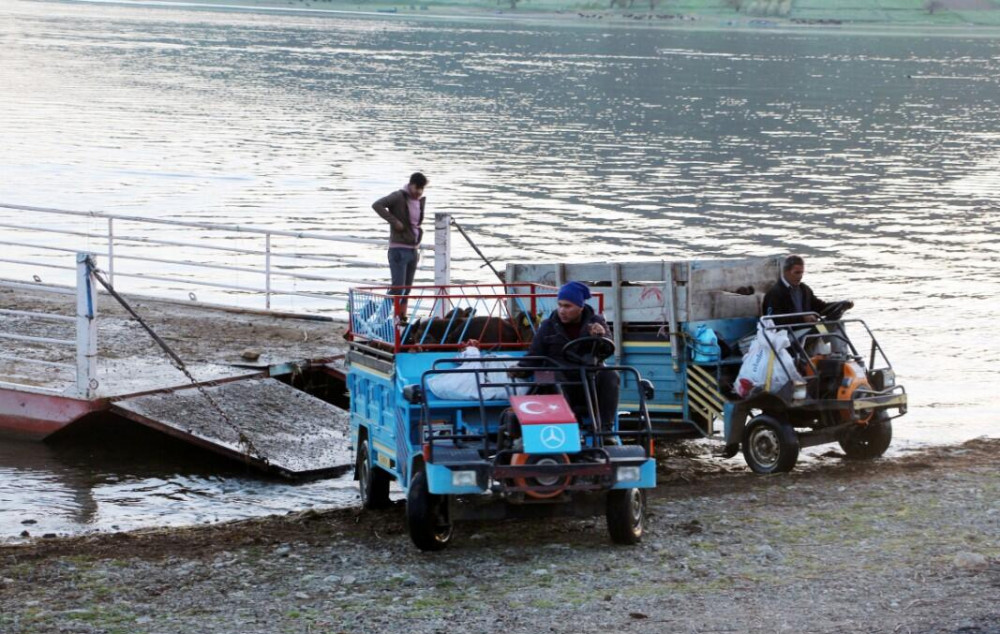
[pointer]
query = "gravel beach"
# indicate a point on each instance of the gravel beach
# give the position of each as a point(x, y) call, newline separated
point(901, 546)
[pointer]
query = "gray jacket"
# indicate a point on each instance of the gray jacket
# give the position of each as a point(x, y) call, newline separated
point(394, 207)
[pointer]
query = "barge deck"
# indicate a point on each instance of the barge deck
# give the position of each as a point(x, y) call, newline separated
point(241, 405)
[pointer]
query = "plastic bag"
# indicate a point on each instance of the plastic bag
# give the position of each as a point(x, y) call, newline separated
point(768, 363)
point(706, 347)
point(461, 386)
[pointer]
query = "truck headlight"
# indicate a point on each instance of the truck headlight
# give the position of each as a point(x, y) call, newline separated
point(463, 479)
point(882, 379)
point(629, 474)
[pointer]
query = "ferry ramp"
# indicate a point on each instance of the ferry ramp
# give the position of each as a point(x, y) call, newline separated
point(266, 423)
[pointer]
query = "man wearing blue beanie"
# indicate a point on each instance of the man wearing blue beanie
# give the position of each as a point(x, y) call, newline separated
point(573, 319)
point(576, 293)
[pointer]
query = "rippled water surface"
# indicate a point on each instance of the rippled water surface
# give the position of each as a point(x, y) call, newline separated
point(874, 156)
point(120, 480)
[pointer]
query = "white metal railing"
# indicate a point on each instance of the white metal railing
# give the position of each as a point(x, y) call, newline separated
point(161, 257)
point(85, 343)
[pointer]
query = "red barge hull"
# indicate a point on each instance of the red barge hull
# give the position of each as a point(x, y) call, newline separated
point(35, 416)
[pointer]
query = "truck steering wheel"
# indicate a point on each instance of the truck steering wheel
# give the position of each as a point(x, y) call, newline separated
point(835, 310)
point(588, 351)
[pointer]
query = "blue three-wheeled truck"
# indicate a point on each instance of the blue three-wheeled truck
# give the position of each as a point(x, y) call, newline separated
point(688, 327)
point(464, 438)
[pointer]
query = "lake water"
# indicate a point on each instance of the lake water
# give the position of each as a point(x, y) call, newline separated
point(874, 155)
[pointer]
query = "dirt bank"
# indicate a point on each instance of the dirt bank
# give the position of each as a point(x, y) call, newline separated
point(907, 545)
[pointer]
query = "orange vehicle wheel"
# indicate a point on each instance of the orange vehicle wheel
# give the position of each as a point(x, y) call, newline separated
point(554, 485)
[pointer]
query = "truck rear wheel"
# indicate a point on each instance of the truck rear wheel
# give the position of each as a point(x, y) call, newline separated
point(373, 482)
point(626, 513)
point(427, 518)
point(770, 445)
point(865, 442)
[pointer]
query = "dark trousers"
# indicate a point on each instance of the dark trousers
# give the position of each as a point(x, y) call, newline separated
point(607, 383)
point(402, 267)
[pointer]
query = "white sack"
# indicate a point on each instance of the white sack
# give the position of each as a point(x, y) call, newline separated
point(761, 358)
point(461, 386)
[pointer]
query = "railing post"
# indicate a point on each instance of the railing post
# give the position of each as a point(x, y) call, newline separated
point(442, 249)
point(86, 329)
point(111, 251)
point(267, 271)
point(442, 258)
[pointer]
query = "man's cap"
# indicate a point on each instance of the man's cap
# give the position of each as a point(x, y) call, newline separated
point(575, 292)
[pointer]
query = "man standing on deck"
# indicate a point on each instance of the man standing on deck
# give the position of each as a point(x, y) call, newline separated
point(403, 209)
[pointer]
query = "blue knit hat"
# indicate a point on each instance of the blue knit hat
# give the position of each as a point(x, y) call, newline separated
point(576, 292)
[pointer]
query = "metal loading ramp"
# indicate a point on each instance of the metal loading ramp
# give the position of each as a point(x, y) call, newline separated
point(271, 426)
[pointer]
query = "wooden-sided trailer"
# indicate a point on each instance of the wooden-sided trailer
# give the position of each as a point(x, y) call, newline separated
point(655, 308)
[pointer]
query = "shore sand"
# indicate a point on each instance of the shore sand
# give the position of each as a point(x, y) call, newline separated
point(904, 545)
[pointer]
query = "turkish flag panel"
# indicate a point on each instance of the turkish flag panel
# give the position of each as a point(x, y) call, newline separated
point(542, 409)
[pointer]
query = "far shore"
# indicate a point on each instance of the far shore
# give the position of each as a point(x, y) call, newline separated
point(587, 14)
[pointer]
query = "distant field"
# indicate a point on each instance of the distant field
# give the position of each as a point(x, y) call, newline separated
point(907, 12)
point(856, 12)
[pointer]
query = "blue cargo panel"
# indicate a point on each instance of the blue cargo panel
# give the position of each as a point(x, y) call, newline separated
point(654, 362)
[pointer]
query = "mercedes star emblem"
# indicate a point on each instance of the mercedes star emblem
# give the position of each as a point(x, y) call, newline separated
point(552, 436)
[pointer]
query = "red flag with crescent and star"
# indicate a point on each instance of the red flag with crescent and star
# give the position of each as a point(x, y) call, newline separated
point(542, 409)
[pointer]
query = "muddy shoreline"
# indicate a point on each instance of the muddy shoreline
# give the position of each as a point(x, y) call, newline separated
point(904, 545)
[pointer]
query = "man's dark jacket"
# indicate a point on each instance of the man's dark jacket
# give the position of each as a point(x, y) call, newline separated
point(552, 335)
point(549, 342)
point(395, 207)
point(778, 301)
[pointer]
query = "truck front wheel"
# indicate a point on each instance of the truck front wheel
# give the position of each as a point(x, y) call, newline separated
point(427, 518)
point(865, 442)
point(626, 515)
point(770, 445)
